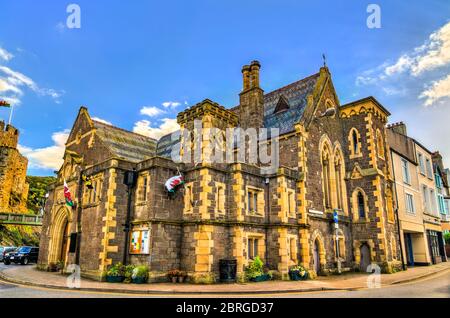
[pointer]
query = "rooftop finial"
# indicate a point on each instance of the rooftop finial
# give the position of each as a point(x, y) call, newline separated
point(324, 60)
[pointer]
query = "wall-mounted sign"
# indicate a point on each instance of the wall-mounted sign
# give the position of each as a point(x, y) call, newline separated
point(140, 242)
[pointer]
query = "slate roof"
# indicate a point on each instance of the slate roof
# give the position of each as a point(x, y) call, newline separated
point(295, 94)
point(125, 144)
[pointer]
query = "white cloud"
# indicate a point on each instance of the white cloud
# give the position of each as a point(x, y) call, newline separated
point(403, 63)
point(50, 157)
point(12, 81)
point(5, 55)
point(437, 91)
point(144, 127)
point(151, 111)
point(102, 120)
point(171, 104)
point(430, 59)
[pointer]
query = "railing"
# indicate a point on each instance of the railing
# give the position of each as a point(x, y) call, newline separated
point(20, 219)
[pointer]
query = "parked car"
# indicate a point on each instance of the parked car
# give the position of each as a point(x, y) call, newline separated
point(4, 250)
point(23, 255)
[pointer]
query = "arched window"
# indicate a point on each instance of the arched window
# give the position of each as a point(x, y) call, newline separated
point(355, 143)
point(361, 206)
point(380, 144)
point(326, 177)
point(390, 206)
point(339, 180)
point(220, 201)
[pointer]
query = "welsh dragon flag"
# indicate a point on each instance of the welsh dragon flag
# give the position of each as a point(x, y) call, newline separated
point(173, 183)
point(67, 195)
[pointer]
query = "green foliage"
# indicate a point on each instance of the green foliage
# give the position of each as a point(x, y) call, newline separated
point(129, 273)
point(38, 189)
point(299, 269)
point(116, 270)
point(255, 269)
point(140, 272)
point(12, 235)
point(447, 238)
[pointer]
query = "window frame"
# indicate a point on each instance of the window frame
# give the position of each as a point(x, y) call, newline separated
point(410, 207)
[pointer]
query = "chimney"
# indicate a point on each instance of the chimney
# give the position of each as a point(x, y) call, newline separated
point(246, 77)
point(251, 99)
point(399, 128)
point(254, 69)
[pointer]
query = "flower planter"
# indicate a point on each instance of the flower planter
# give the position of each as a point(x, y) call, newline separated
point(261, 278)
point(115, 279)
point(139, 280)
point(295, 275)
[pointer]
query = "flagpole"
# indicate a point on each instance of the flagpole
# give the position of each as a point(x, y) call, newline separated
point(11, 113)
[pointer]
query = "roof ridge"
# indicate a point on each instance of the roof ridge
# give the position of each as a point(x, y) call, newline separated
point(124, 130)
point(292, 84)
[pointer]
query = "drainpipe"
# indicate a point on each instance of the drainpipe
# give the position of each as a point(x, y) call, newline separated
point(79, 210)
point(130, 181)
point(398, 219)
point(267, 211)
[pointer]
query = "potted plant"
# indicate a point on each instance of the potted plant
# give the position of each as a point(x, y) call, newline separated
point(255, 271)
point(298, 272)
point(182, 277)
point(52, 267)
point(116, 273)
point(60, 266)
point(173, 275)
point(128, 273)
point(140, 275)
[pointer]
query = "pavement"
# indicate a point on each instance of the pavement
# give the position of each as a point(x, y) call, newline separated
point(30, 276)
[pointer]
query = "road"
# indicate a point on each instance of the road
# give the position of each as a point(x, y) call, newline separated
point(436, 286)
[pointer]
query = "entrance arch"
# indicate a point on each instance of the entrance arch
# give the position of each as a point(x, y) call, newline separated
point(59, 239)
point(316, 257)
point(365, 260)
point(318, 252)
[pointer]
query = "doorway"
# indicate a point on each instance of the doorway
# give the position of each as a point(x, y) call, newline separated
point(409, 250)
point(316, 257)
point(365, 260)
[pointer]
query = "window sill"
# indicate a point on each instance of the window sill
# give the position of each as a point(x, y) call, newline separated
point(361, 220)
point(254, 214)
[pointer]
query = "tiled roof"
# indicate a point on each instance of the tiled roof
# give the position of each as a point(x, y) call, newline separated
point(125, 144)
point(295, 94)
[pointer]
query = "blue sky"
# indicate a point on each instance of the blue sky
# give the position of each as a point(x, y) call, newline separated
point(137, 64)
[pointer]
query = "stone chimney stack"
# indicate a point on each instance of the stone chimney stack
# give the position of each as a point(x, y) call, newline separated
point(251, 106)
point(399, 128)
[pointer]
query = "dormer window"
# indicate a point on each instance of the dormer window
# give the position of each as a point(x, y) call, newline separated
point(282, 105)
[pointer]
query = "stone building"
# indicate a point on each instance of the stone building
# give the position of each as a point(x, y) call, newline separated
point(13, 171)
point(333, 157)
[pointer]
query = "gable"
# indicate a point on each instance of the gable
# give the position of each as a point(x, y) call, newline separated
point(295, 96)
point(82, 125)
